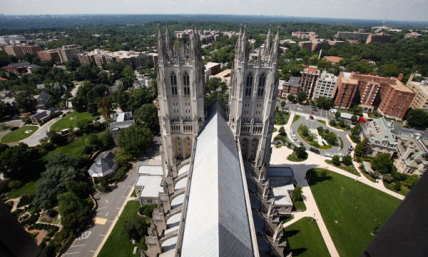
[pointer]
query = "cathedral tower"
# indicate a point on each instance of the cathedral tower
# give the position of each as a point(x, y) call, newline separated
point(180, 83)
point(253, 97)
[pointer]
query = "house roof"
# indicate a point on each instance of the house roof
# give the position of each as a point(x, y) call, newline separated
point(44, 97)
point(217, 222)
point(333, 59)
point(103, 165)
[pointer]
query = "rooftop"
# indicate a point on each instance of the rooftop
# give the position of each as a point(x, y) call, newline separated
point(333, 59)
point(217, 221)
point(151, 186)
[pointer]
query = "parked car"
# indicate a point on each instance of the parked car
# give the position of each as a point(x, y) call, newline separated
point(313, 149)
point(311, 117)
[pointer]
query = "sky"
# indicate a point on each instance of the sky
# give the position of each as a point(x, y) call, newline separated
point(359, 9)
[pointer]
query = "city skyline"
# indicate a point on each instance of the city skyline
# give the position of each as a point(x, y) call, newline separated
point(412, 10)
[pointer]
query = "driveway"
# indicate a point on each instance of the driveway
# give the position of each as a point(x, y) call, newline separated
point(307, 109)
point(42, 132)
point(313, 124)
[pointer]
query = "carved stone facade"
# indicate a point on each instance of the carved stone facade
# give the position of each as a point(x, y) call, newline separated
point(181, 97)
point(252, 98)
point(241, 157)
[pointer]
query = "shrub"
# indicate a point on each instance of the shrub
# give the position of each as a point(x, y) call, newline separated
point(297, 194)
point(388, 178)
point(336, 160)
point(411, 180)
point(147, 210)
point(397, 186)
point(25, 199)
point(347, 160)
point(282, 131)
point(52, 213)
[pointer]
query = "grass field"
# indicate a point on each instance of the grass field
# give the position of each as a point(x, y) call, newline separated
point(118, 244)
point(293, 157)
point(19, 134)
point(350, 209)
point(350, 169)
point(75, 148)
point(27, 189)
point(300, 205)
point(305, 240)
point(296, 118)
point(66, 123)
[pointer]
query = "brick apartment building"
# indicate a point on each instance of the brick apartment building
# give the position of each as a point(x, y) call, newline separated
point(291, 86)
point(389, 95)
point(50, 55)
point(308, 80)
point(19, 50)
point(60, 55)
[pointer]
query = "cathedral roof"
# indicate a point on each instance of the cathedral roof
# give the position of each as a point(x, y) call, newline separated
point(217, 222)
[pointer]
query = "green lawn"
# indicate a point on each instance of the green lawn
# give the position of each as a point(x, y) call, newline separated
point(65, 122)
point(19, 134)
point(341, 142)
point(305, 239)
point(75, 148)
point(300, 205)
point(350, 169)
point(351, 210)
point(27, 189)
point(296, 118)
point(292, 157)
point(322, 121)
point(118, 244)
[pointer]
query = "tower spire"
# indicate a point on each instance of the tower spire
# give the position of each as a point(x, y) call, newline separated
point(275, 48)
point(161, 44)
point(268, 42)
point(168, 41)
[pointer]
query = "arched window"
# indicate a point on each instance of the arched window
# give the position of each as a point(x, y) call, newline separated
point(186, 84)
point(174, 84)
point(249, 85)
point(261, 87)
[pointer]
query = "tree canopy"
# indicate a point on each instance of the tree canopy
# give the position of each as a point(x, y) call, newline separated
point(135, 140)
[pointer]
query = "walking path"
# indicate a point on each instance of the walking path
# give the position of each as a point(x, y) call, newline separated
point(279, 157)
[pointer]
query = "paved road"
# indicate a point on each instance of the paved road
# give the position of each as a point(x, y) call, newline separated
point(109, 204)
point(307, 109)
point(313, 124)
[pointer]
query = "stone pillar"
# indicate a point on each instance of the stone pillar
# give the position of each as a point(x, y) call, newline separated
point(165, 201)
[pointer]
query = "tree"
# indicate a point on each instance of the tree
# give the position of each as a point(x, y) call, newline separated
point(136, 228)
point(138, 97)
point(128, 77)
point(324, 102)
point(330, 137)
point(106, 106)
point(301, 96)
point(282, 104)
point(336, 160)
point(354, 118)
point(357, 110)
point(148, 114)
point(297, 194)
point(60, 169)
point(72, 64)
point(347, 160)
point(282, 131)
point(135, 140)
point(382, 163)
point(20, 162)
point(417, 118)
point(361, 148)
point(337, 115)
point(291, 98)
point(411, 180)
point(75, 211)
point(25, 101)
point(301, 152)
point(7, 111)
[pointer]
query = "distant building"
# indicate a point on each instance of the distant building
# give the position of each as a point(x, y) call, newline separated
point(380, 136)
point(352, 35)
point(412, 155)
point(211, 68)
point(421, 90)
point(43, 100)
point(291, 86)
point(389, 95)
point(325, 86)
point(11, 39)
point(148, 185)
point(69, 52)
point(103, 166)
point(308, 80)
point(136, 60)
point(19, 50)
point(304, 35)
point(50, 55)
point(378, 37)
point(224, 76)
point(313, 44)
point(412, 35)
point(20, 68)
point(121, 120)
point(43, 116)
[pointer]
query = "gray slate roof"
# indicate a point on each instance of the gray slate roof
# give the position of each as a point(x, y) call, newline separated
point(103, 165)
point(217, 222)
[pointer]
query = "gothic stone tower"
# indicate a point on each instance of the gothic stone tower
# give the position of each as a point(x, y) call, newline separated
point(181, 100)
point(252, 99)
